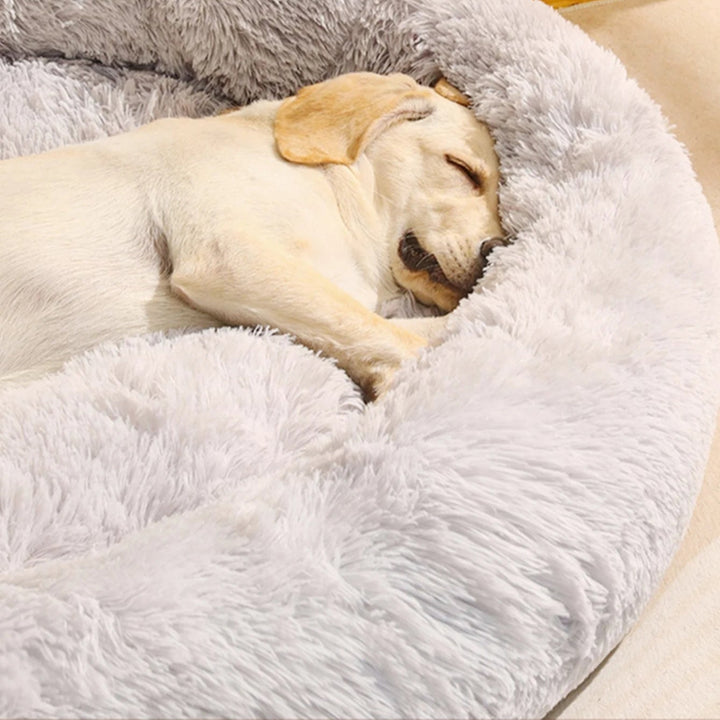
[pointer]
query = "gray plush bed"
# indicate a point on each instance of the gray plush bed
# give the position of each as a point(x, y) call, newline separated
point(214, 524)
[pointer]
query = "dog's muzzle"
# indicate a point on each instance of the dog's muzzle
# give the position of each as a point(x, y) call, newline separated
point(417, 259)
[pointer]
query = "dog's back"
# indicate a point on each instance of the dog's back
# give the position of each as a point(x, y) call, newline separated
point(80, 263)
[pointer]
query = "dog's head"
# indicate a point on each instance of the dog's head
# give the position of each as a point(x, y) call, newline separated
point(435, 171)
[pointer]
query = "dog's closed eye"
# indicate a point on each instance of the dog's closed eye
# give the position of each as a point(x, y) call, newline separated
point(475, 177)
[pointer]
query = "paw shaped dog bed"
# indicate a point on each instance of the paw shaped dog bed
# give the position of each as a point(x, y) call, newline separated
point(214, 524)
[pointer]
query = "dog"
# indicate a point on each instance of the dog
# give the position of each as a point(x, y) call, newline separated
point(304, 214)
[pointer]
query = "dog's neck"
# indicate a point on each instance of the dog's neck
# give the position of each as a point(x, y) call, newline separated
point(363, 203)
point(374, 242)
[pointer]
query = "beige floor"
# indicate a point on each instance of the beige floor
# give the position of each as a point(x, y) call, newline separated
point(669, 665)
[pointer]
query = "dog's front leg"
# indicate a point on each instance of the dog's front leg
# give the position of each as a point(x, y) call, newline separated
point(262, 285)
point(432, 329)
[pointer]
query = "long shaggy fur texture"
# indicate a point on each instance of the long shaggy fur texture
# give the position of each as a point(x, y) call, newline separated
point(214, 524)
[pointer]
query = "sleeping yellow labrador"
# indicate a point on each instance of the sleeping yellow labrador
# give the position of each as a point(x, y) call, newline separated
point(304, 214)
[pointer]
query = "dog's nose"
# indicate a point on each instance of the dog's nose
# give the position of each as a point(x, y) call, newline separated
point(486, 247)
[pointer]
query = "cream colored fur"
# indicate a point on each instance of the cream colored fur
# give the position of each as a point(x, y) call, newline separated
point(195, 223)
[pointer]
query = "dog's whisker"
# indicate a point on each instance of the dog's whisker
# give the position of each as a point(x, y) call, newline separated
point(428, 262)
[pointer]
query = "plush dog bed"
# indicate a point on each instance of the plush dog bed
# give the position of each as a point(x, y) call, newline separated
point(214, 524)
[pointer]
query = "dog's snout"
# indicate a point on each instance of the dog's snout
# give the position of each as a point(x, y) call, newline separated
point(486, 247)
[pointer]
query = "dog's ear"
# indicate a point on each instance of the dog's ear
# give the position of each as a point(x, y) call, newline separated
point(333, 121)
point(450, 92)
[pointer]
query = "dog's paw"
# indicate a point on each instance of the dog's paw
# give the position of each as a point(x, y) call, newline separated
point(376, 386)
point(382, 377)
point(373, 366)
